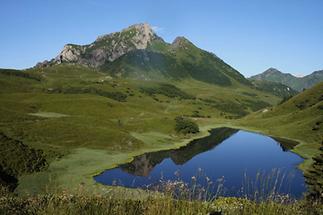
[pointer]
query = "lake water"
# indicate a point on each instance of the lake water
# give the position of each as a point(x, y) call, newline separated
point(239, 162)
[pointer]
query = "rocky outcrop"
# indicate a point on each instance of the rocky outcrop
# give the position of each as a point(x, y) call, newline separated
point(70, 53)
point(106, 48)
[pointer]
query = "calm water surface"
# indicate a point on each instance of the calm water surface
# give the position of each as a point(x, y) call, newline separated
point(233, 158)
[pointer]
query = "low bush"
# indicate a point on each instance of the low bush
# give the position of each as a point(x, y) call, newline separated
point(186, 126)
point(255, 105)
point(233, 108)
point(118, 96)
point(168, 90)
point(21, 74)
point(16, 159)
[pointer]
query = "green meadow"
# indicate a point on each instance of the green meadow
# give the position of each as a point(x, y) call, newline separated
point(82, 121)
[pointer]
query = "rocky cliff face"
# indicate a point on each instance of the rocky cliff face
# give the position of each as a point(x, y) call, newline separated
point(106, 48)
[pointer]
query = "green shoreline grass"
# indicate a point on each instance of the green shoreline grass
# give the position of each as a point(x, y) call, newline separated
point(102, 165)
point(27, 181)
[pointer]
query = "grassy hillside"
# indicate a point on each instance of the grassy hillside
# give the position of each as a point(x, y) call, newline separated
point(78, 115)
point(299, 118)
point(277, 89)
point(75, 121)
point(176, 61)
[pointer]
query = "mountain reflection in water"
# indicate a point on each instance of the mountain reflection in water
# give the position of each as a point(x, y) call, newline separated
point(226, 153)
point(143, 164)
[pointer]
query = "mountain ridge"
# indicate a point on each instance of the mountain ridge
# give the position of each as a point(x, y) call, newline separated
point(107, 47)
point(297, 83)
point(139, 53)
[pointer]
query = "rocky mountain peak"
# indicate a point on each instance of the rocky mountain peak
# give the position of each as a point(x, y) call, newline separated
point(142, 28)
point(141, 34)
point(106, 48)
point(137, 52)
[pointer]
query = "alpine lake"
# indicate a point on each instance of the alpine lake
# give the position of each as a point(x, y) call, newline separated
point(228, 162)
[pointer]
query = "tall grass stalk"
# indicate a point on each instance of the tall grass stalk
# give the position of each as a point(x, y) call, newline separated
point(259, 196)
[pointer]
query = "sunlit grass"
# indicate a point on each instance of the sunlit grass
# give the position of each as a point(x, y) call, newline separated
point(176, 198)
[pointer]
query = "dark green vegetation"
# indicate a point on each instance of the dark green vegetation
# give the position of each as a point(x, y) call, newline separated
point(16, 159)
point(18, 73)
point(295, 83)
point(186, 126)
point(275, 88)
point(168, 90)
point(315, 172)
point(118, 96)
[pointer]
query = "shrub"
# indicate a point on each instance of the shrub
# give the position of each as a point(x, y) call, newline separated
point(254, 105)
point(233, 108)
point(168, 90)
point(118, 96)
point(17, 73)
point(186, 126)
point(18, 159)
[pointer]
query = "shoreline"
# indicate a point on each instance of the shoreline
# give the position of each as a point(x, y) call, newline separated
point(85, 176)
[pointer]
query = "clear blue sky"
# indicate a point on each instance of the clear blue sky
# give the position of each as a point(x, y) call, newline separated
point(250, 35)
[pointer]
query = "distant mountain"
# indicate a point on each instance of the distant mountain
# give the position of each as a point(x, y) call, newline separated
point(312, 79)
point(274, 88)
point(138, 53)
point(297, 83)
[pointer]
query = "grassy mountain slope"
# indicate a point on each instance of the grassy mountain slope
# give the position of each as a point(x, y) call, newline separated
point(299, 118)
point(297, 83)
point(275, 88)
point(176, 61)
